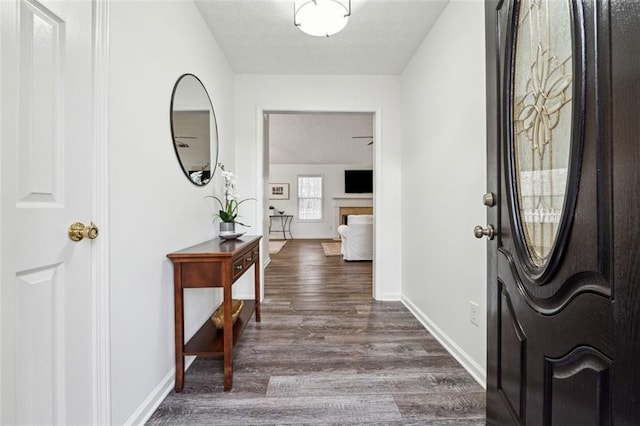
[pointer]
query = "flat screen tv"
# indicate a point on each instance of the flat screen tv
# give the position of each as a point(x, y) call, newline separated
point(358, 181)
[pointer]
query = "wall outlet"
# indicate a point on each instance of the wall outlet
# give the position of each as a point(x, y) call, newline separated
point(474, 313)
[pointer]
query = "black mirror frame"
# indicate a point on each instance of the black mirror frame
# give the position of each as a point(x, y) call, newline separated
point(214, 164)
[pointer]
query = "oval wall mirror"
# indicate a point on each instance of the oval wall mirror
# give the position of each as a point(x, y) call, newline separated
point(194, 129)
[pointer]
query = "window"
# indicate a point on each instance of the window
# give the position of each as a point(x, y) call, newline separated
point(310, 198)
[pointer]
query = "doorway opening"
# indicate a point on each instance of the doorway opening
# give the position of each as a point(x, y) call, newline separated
point(318, 167)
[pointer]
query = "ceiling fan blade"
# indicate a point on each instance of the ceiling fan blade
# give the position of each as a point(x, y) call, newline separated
point(364, 137)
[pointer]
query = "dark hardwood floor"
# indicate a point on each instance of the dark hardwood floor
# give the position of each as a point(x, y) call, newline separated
point(327, 353)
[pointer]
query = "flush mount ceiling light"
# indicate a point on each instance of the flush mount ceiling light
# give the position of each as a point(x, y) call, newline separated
point(321, 18)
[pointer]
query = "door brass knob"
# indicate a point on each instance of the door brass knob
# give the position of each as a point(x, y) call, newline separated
point(78, 231)
point(488, 232)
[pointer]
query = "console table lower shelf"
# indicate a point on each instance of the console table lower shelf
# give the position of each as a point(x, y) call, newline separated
point(209, 340)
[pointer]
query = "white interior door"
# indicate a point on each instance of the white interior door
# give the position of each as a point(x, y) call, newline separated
point(47, 178)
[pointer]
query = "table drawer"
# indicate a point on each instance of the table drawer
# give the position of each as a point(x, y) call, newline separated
point(238, 268)
point(251, 257)
point(201, 274)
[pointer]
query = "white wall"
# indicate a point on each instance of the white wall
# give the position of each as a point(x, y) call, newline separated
point(154, 209)
point(256, 94)
point(333, 180)
point(443, 179)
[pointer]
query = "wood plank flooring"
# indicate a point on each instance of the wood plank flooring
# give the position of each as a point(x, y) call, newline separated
point(327, 353)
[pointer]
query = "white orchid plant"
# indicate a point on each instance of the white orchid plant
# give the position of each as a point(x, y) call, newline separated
point(229, 209)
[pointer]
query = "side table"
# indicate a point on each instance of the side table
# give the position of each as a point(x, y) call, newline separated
point(285, 224)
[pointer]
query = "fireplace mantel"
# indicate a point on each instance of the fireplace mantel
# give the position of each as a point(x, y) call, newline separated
point(353, 200)
point(340, 197)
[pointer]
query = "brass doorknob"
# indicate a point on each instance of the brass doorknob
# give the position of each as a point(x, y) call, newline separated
point(488, 232)
point(78, 231)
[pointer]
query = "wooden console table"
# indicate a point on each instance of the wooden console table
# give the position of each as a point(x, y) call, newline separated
point(214, 263)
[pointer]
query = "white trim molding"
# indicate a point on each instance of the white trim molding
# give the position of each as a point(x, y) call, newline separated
point(101, 345)
point(476, 370)
point(390, 297)
point(1, 222)
point(155, 398)
point(378, 194)
point(378, 211)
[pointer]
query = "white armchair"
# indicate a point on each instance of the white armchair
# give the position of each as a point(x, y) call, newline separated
point(357, 237)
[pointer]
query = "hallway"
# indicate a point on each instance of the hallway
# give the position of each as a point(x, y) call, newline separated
point(326, 353)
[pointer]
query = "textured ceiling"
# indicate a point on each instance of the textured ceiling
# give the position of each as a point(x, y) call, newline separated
point(320, 138)
point(258, 36)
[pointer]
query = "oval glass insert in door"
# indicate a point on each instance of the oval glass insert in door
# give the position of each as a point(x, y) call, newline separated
point(542, 111)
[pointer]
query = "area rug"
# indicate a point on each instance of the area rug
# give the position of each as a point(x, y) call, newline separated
point(331, 249)
point(276, 246)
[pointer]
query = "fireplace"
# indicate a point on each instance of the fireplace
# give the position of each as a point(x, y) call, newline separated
point(346, 211)
point(347, 204)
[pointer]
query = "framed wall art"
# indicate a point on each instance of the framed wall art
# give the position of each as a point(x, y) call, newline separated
point(278, 191)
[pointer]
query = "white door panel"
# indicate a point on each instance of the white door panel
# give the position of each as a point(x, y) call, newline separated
point(39, 346)
point(47, 178)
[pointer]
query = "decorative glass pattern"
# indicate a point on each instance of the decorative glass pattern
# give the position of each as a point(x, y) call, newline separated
point(542, 120)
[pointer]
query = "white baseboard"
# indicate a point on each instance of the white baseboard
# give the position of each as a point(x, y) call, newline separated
point(390, 297)
point(155, 398)
point(476, 370)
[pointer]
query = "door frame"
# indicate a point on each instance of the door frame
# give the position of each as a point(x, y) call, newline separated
point(378, 195)
point(494, 184)
point(101, 281)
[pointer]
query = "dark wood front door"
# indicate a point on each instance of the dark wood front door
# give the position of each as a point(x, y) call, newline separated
point(563, 117)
